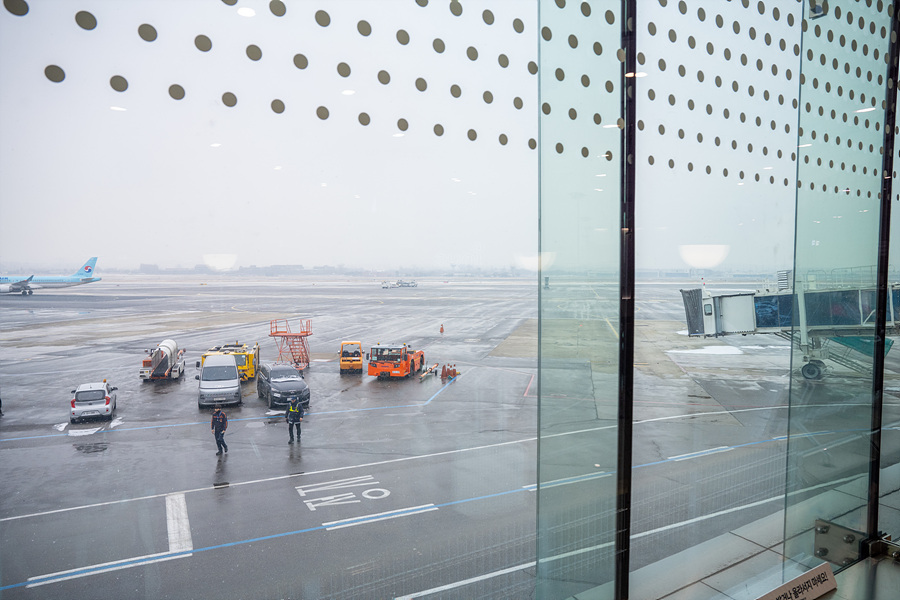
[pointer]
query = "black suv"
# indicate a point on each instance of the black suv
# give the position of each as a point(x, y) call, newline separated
point(278, 383)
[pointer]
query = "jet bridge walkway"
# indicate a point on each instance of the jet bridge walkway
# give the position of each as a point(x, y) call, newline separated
point(824, 324)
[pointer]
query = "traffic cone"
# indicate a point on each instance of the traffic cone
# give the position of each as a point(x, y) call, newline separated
point(444, 372)
point(453, 371)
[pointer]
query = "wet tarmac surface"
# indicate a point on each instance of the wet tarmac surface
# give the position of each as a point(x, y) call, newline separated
point(88, 495)
point(397, 486)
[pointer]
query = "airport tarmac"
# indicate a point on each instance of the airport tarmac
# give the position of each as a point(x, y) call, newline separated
point(409, 488)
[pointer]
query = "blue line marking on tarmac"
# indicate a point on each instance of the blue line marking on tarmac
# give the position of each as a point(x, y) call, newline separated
point(156, 558)
point(328, 412)
point(487, 497)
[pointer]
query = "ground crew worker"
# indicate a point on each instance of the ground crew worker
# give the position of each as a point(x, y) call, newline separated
point(218, 425)
point(294, 415)
point(442, 329)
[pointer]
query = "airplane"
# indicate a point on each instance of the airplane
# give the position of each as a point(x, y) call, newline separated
point(14, 284)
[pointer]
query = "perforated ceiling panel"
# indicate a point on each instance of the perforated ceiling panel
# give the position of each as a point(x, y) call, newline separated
point(842, 109)
point(717, 95)
point(580, 136)
point(359, 113)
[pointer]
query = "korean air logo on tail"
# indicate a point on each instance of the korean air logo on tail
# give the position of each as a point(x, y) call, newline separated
point(86, 271)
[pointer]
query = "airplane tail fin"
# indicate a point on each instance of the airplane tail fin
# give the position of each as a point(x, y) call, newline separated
point(87, 269)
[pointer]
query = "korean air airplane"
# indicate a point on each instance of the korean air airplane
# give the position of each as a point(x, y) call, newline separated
point(25, 285)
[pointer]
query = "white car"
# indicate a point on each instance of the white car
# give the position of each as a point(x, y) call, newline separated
point(93, 400)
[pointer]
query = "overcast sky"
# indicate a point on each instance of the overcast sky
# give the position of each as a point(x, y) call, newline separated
point(136, 176)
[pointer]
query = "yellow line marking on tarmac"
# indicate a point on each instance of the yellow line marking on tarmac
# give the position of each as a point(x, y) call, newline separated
point(615, 333)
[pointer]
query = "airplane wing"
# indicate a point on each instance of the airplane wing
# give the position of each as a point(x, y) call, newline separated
point(22, 284)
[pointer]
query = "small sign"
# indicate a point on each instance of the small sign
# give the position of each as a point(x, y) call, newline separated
point(812, 584)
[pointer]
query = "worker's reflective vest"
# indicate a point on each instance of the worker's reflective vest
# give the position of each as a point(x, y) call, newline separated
point(294, 414)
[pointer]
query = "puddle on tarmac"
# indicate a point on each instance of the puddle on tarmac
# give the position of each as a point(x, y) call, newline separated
point(92, 448)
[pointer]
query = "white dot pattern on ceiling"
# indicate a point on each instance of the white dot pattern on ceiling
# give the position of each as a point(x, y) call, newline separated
point(717, 94)
point(730, 88)
point(579, 85)
point(484, 59)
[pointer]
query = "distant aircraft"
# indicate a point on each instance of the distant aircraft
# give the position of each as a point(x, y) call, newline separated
point(15, 284)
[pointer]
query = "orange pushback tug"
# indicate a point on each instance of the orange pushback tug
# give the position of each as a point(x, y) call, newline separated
point(394, 361)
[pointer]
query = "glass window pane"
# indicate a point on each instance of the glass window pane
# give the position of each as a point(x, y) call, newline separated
point(838, 188)
point(579, 238)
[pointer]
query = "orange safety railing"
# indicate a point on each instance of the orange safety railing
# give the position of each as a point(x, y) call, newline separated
point(292, 345)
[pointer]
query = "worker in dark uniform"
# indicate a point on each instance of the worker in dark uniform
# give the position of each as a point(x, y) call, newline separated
point(218, 425)
point(294, 415)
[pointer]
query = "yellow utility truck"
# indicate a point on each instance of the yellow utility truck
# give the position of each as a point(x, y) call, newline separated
point(246, 357)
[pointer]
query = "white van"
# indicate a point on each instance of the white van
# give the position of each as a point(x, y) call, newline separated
point(220, 382)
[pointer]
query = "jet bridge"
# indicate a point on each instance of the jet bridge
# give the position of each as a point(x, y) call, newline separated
point(824, 324)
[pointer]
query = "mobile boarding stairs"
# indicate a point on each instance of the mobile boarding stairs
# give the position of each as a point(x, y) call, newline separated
point(836, 324)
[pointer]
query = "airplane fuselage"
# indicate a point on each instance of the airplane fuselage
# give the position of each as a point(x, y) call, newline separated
point(26, 284)
point(48, 282)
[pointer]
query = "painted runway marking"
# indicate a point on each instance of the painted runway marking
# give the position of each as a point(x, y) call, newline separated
point(465, 582)
point(527, 389)
point(691, 455)
point(180, 546)
point(96, 569)
point(344, 498)
point(312, 488)
point(566, 481)
point(615, 333)
point(177, 523)
point(81, 432)
point(392, 514)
